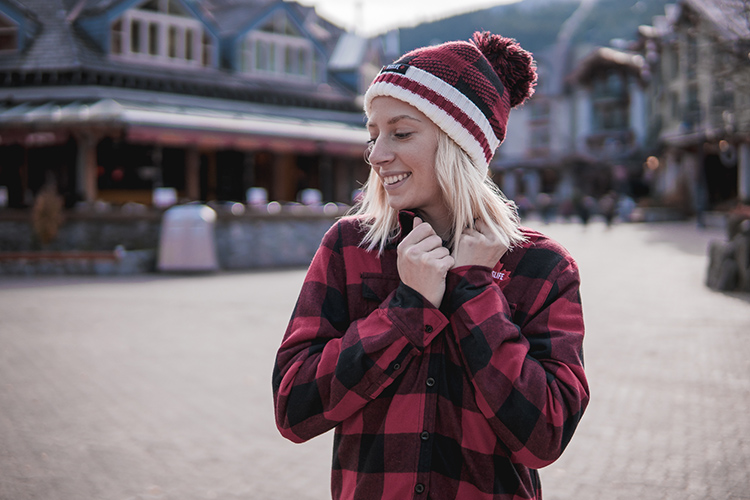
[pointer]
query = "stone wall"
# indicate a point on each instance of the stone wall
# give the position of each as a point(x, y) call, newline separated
point(121, 243)
point(729, 260)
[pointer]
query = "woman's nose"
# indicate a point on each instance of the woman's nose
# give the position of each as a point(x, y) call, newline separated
point(379, 152)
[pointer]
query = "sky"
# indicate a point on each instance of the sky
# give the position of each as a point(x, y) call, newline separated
point(377, 16)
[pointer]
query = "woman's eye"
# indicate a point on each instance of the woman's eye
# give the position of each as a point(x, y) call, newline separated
point(402, 135)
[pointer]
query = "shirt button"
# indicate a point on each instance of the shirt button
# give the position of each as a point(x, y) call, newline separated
point(396, 366)
point(425, 435)
point(419, 488)
point(428, 328)
point(430, 382)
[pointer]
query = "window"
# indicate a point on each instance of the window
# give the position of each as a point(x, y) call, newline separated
point(135, 37)
point(8, 35)
point(206, 50)
point(674, 105)
point(610, 116)
point(172, 42)
point(610, 85)
point(540, 139)
point(540, 109)
point(277, 50)
point(160, 32)
point(672, 66)
point(539, 127)
point(189, 54)
point(117, 37)
point(153, 39)
point(691, 56)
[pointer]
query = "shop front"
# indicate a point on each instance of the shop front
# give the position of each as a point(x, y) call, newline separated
point(115, 151)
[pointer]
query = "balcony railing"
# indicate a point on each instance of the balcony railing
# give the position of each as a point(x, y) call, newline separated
point(610, 143)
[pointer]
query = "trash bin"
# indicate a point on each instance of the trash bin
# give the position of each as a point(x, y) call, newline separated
point(187, 239)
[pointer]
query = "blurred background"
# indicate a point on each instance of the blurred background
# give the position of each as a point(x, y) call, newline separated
point(168, 167)
point(112, 112)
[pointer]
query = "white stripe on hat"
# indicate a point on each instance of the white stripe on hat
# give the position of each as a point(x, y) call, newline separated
point(454, 129)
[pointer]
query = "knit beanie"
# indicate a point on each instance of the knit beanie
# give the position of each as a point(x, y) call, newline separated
point(466, 88)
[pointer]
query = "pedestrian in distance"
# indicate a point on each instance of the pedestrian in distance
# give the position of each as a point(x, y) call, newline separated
point(440, 339)
point(607, 207)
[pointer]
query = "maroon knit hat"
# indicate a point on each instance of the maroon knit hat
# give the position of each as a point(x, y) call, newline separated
point(466, 88)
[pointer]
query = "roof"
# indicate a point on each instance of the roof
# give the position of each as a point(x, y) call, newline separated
point(731, 18)
point(605, 56)
point(62, 52)
point(349, 52)
point(53, 45)
point(183, 124)
point(230, 17)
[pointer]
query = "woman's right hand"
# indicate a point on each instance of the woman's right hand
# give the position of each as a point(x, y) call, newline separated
point(423, 262)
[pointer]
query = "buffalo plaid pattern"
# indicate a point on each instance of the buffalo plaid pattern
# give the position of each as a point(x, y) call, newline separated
point(464, 401)
point(456, 87)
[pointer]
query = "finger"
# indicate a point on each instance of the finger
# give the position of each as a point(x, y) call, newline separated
point(439, 252)
point(420, 232)
point(414, 248)
point(486, 232)
point(445, 263)
point(429, 243)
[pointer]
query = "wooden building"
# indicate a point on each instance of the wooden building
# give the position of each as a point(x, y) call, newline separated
point(112, 99)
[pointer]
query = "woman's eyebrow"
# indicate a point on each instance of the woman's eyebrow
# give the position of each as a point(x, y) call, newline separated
point(396, 119)
point(401, 117)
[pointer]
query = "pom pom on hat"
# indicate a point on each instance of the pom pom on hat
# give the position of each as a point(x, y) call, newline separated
point(466, 89)
point(514, 65)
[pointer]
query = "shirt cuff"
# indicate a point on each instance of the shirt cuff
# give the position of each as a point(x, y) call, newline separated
point(464, 284)
point(417, 319)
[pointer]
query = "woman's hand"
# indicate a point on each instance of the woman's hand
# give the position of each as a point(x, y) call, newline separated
point(423, 262)
point(478, 247)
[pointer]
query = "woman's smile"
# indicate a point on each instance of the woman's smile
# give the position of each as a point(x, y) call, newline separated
point(393, 180)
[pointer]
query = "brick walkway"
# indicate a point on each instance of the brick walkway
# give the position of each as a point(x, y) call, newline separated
point(156, 388)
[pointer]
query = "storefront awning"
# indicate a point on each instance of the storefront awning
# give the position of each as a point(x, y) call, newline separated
point(181, 126)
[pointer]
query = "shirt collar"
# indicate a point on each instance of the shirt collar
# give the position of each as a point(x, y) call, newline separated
point(406, 223)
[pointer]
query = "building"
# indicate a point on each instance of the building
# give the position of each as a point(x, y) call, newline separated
point(584, 132)
point(114, 100)
point(611, 120)
point(700, 99)
point(664, 119)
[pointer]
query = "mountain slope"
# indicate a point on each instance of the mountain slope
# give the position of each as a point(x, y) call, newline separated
point(536, 23)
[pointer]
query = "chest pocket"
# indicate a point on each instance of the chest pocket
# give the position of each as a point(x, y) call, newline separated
point(375, 289)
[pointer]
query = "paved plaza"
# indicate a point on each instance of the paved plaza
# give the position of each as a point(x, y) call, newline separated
point(158, 387)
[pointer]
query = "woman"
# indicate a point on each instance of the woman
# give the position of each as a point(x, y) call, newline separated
point(439, 338)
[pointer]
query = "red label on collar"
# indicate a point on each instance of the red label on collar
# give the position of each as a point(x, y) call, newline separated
point(500, 276)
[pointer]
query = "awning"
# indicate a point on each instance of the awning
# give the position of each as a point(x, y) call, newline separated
point(181, 126)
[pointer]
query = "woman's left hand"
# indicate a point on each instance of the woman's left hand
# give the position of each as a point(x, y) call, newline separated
point(478, 247)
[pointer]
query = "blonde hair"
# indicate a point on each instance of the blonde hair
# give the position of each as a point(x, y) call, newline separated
point(469, 194)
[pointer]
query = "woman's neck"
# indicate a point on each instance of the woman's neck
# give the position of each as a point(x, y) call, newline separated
point(441, 223)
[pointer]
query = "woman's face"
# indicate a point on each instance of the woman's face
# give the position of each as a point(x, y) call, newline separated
point(403, 144)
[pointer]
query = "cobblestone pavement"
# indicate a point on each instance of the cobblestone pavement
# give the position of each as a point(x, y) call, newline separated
point(158, 387)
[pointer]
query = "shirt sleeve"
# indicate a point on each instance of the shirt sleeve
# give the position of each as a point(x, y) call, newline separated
point(528, 378)
point(329, 364)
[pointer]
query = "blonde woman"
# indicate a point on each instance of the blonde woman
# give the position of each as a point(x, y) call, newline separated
point(440, 339)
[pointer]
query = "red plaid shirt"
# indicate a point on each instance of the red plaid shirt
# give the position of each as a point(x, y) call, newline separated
point(463, 401)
